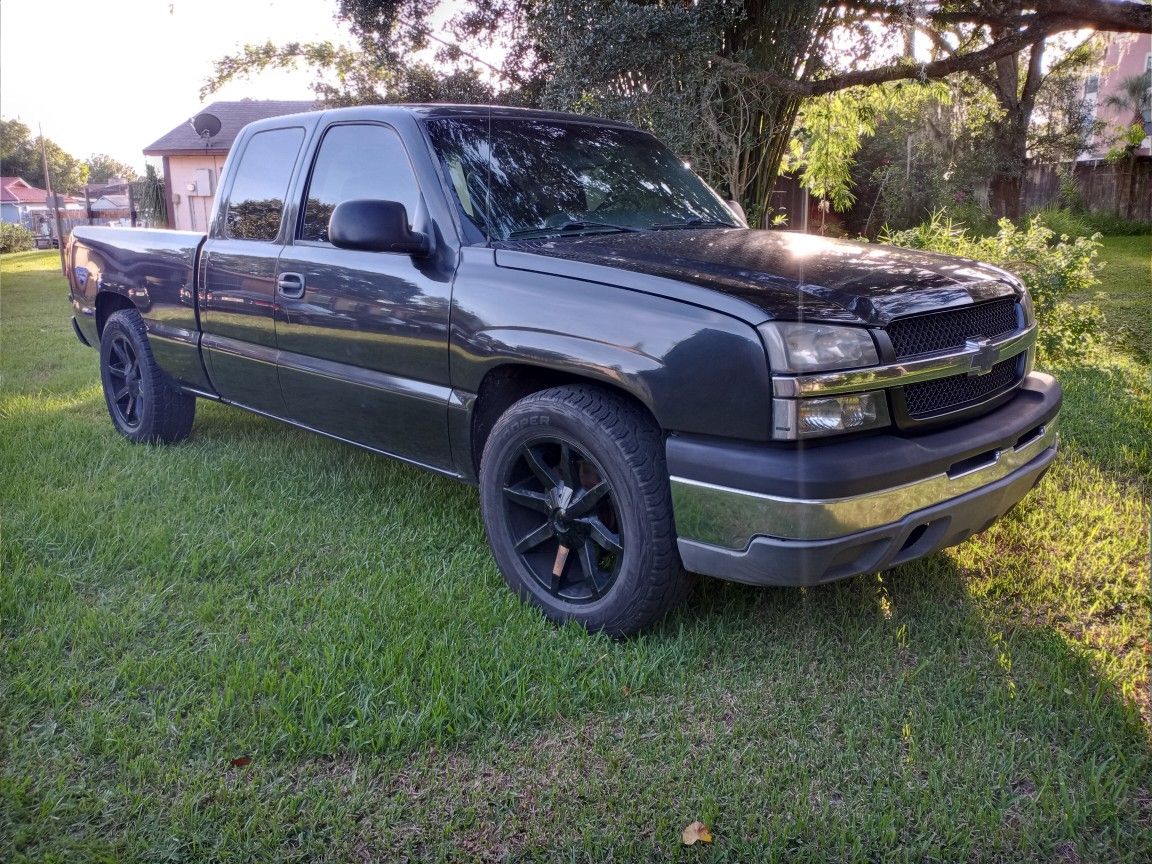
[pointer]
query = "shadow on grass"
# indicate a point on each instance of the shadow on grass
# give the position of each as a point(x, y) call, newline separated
point(876, 718)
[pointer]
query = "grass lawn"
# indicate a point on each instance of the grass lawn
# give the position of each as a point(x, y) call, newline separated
point(265, 646)
point(1125, 290)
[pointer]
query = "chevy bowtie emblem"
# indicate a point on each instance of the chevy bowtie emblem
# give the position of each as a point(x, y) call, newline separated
point(985, 357)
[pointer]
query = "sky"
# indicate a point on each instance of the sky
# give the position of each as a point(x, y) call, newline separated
point(112, 76)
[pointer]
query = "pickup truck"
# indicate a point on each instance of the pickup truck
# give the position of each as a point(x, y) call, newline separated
point(557, 309)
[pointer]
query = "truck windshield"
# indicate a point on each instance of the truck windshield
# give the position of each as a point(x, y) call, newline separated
point(549, 177)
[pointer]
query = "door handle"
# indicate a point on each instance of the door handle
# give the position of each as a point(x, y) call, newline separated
point(290, 285)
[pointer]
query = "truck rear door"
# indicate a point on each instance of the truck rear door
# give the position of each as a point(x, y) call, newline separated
point(238, 272)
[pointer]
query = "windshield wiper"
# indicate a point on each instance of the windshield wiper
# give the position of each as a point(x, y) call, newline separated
point(694, 223)
point(576, 226)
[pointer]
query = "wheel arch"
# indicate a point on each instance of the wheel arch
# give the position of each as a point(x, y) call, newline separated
point(108, 302)
point(507, 383)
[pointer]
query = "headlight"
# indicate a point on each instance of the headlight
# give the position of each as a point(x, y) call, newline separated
point(803, 346)
point(828, 415)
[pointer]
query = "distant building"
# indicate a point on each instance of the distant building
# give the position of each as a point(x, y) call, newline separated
point(1127, 56)
point(112, 209)
point(192, 164)
point(28, 205)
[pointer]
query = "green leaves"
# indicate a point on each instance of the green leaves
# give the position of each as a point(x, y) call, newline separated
point(1053, 267)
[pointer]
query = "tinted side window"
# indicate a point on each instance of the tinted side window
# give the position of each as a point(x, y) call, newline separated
point(257, 197)
point(357, 162)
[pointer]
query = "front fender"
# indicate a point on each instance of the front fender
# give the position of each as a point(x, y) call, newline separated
point(695, 369)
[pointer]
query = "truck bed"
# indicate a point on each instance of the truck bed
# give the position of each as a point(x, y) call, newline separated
point(153, 270)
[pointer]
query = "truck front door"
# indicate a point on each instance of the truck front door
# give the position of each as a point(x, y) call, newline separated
point(238, 285)
point(363, 336)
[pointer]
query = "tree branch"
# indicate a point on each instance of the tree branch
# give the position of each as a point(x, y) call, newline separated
point(934, 70)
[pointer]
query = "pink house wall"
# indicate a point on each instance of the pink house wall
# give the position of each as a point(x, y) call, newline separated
point(190, 211)
point(1128, 55)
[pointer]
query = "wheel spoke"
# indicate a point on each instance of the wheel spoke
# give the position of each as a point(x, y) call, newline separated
point(120, 394)
point(607, 540)
point(129, 408)
point(565, 467)
point(118, 350)
point(534, 538)
point(558, 567)
point(527, 498)
point(591, 570)
point(588, 500)
point(543, 473)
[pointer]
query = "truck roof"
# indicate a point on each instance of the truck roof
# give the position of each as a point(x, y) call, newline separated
point(431, 111)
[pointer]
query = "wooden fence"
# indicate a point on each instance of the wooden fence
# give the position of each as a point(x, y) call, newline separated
point(1104, 187)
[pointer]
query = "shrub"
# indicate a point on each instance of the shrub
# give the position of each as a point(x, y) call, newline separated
point(15, 238)
point(1052, 267)
point(1062, 222)
point(1113, 225)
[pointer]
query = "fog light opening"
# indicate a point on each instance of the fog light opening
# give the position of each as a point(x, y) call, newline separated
point(914, 537)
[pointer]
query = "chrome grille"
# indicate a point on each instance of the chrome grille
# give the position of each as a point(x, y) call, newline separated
point(923, 334)
point(943, 394)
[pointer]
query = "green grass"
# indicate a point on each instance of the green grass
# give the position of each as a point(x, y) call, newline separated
point(1125, 293)
point(258, 592)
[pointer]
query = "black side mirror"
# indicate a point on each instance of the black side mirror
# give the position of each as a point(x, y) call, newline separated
point(375, 226)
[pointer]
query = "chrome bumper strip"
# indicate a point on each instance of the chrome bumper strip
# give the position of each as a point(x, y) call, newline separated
point(730, 518)
point(976, 358)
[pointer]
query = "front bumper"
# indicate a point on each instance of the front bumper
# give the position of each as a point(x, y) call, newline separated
point(803, 516)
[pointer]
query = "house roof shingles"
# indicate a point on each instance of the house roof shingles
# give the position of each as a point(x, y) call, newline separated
point(17, 190)
point(234, 116)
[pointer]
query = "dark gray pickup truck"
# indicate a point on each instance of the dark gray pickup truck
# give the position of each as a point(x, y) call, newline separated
point(558, 309)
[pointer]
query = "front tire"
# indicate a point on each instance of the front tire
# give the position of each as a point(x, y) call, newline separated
point(575, 499)
point(144, 403)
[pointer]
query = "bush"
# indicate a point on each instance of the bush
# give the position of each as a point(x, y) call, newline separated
point(1064, 224)
point(1052, 267)
point(15, 238)
point(1077, 223)
point(1113, 226)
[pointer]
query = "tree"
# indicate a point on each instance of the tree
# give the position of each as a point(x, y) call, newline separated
point(102, 168)
point(1134, 95)
point(723, 80)
point(20, 155)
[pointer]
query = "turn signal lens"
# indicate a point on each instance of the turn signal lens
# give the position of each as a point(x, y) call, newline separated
point(828, 415)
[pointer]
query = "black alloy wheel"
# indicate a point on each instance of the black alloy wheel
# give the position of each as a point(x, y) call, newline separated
point(143, 402)
point(576, 503)
point(127, 399)
point(561, 507)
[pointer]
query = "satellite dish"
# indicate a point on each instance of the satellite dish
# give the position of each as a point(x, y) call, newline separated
point(206, 125)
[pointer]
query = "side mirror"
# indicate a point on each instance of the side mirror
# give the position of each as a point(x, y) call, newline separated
point(375, 226)
point(735, 207)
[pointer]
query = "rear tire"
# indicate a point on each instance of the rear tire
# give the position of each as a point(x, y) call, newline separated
point(144, 403)
point(581, 469)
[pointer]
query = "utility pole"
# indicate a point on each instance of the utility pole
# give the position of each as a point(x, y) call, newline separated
point(55, 203)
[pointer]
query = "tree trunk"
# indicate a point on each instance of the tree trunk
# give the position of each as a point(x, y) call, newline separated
point(1006, 184)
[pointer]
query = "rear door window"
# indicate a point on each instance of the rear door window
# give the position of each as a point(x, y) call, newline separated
point(256, 202)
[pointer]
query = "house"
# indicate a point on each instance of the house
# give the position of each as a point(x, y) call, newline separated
point(28, 205)
point(192, 164)
point(1127, 56)
point(112, 209)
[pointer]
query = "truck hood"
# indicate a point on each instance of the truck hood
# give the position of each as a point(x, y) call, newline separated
point(771, 274)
